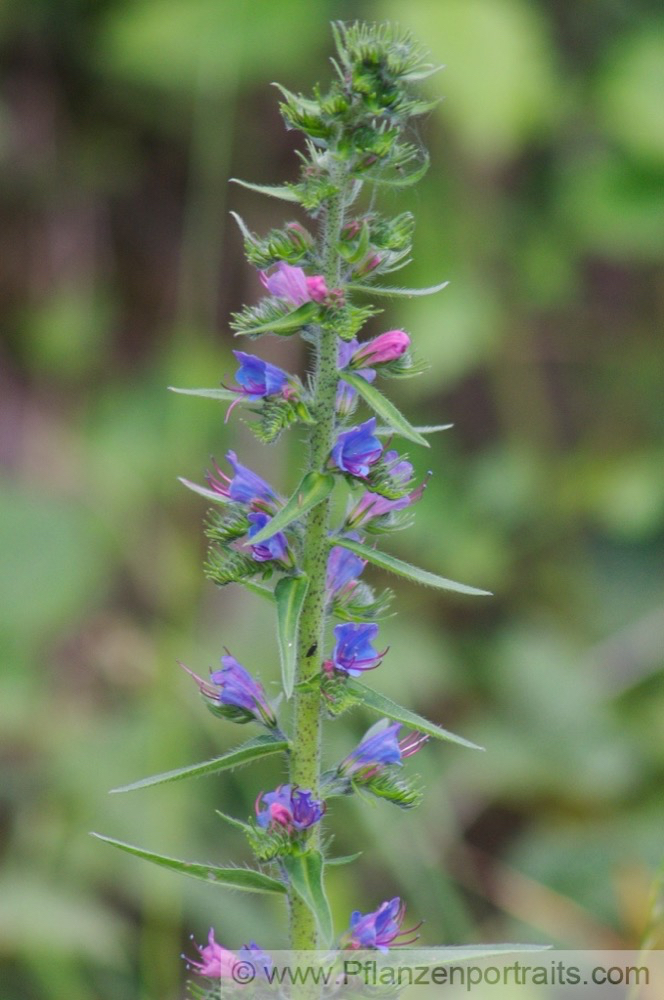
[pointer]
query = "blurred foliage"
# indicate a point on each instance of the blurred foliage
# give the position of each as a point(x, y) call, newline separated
point(120, 124)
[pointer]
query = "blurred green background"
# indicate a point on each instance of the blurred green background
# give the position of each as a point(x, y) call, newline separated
point(120, 124)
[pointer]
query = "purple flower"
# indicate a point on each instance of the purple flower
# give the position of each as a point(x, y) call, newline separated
point(371, 505)
point(260, 961)
point(244, 487)
point(275, 547)
point(382, 349)
point(216, 962)
point(343, 569)
point(379, 929)
point(356, 450)
point(291, 283)
point(380, 748)
point(353, 652)
point(259, 378)
point(290, 807)
point(234, 688)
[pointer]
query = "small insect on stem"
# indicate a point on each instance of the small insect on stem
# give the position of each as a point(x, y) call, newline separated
point(312, 649)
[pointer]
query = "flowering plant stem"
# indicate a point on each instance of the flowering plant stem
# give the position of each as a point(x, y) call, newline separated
point(356, 136)
point(306, 741)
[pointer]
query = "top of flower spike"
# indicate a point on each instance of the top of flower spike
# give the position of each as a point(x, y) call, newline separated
point(380, 45)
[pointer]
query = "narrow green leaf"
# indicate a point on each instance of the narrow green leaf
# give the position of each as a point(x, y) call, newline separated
point(345, 860)
point(289, 595)
point(257, 588)
point(280, 191)
point(387, 431)
point(420, 957)
point(385, 706)
point(286, 324)
point(394, 565)
point(203, 491)
point(237, 823)
point(399, 292)
point(261, 746)
point(385, 409)
point(305, 872)
point(243, 228)
point(246, 879)
point(314, 488)
point(221, 394)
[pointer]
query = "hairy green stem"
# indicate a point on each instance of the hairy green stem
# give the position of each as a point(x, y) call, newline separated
point(305, 754)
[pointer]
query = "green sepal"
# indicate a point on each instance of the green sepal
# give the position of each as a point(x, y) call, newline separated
point(407, 293)
point(244, 879)
point(385, 409)
point(386, 707)
point(305, 872)
point(289, 595)
point(260, 746)
point(401, 568)
point(314, 488)
point(285, 192)
point(225, 395)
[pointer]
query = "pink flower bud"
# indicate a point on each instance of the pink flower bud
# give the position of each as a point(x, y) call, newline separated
point(317, 288)
point(382, 349)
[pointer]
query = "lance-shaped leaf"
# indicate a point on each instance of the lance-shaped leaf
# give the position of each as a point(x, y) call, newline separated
point(314, 488)
point(346, 859)
point(407, 293)
point(419, 958)
point(284, 324)
point(245, 879)
point(305, 872)
point(401, 568)
point(258, 589)
point(226, 395)
point(261, 746)
point(386, 707)
point(289, 595)
point(385, 409)
point(434, 429)
point(281, 191)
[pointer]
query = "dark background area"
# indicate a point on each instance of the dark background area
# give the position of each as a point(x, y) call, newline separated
point(120, 124)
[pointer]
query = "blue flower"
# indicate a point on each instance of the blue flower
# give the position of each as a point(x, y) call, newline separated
point(379, 929)
point(259, 378)
point(353, 651)
point(290, 807)
point(379, 748)
point(343, 569)
point(233, 693)
point(357, 449)
point(244, 487)
point(275, 547)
